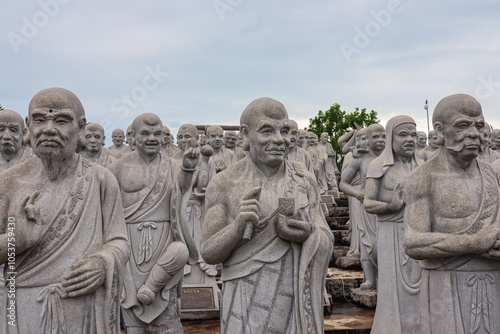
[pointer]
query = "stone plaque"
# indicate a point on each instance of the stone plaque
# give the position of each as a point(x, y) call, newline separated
point(197, 298)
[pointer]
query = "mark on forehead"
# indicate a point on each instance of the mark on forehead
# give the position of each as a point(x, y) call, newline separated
point(50, 110)
point(278, 123)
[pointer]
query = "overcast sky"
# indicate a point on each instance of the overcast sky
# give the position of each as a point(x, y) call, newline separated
point(203, 62)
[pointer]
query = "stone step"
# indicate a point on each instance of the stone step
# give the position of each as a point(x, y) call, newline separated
point(342, 282)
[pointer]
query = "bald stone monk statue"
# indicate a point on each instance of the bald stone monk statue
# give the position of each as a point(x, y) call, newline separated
point(495, 139)
point(93, 138)
point(429, 151)
point(355, 206)
point(421, 141)
point(12, 130)
point(222, 157)
point(297, 153)
point(202, 139)
point(149, 182)
point(367, 226)
point(452, 225)
point(331, 169)
point(168, 146)
point(118, 149)
point(130, 139)
point(399, 277)
point(70, 240)
point(318, 156)
point(230, 139)
point(487, 154)
point(265, 225)
point(302, 139)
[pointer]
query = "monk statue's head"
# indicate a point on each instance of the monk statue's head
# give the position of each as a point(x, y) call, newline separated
point(361, 139)
point(458, 122)
point(421, 139)
point(56, 122)
point(266, 131)
point(302, 138)
point(495, 139)
point(166, 135)
point(433, 140)
point(375, 134)
point(404, 136)
point(230, 139)
point(12, 131)
point(324, 138)
point(147, 131)
point(117, 137)
point(94, 137)
point(130, 138)
point(312, 138)
point(187, 136)
point(294, 133)
point(215, 136)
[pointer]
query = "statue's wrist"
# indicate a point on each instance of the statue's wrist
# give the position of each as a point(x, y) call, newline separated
point(188, 170)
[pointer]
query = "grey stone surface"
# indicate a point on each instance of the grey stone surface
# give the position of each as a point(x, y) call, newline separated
point(222, 157)
point(331, 170)
point(399, 277)
point(280, 205)
point(12, 131)
point(149, 180)
point(367, 298)
point(495, 139)
point(70, 239)
point(93, 140)
point(452, 225)
point(366, 222)
point(230, 142)
point(118, 149)
point(296, 152)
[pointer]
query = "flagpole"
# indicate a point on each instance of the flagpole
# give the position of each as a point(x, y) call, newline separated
point(426, 107)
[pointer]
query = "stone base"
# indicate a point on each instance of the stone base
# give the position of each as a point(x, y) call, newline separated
point(200, 301)
point(341, 282)
point(367, 298)
point(348, 262)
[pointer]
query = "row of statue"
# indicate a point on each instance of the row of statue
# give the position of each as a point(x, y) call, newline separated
point(93, 237)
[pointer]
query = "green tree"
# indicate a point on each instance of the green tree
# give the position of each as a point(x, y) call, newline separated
point(1, 108)
point(336, 122)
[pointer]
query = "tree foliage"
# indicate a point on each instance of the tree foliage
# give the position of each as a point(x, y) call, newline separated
point(1, 108)
point(336, 122)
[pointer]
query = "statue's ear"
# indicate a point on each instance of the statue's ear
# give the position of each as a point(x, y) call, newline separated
point(103, 140)
point(244, 135)
point(438, 129)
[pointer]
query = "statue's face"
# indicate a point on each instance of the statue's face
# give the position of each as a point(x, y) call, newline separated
point(362, 141)
point(376, 141)
point(495, 139)
point(433, 140)
point(404, 140)
point(94, 139)
point(485, 133)
point(166, 137)
point(269, 141)
point(11, 136)
point(294, 137)
point(185, 138)
point(202, 140)
point(421, 140)
point(324, 138)
point(215, 138)
point(312, 139)
point(118, 137)
point(301, 138)
point(230, 140)
point(462, 133)
point(53, 131)
point(148, 139)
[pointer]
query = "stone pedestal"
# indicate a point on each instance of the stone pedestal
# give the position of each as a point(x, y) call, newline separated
point(200, 301)
point(348, 262)
point(367, 298)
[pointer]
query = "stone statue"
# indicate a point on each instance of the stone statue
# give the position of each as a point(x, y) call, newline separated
point(118, 149)
point(169, 148)
point(428, 152)
point(190, 208)
point(202, 139)
point(399, 277)
point(452, 225)
point(487, 154)
point(421, 140)
point(331, 169)
point(130, 139)
point(148, 181)
point(367, 226)
point(230, 139)
point(495, 139)
point(12, 130)
point(355, 206)
point(265, 225)
point(70, 240)
point(222, 157)
point(302, 139)
point(297, 153)
point(93, 139)
point(318, 156)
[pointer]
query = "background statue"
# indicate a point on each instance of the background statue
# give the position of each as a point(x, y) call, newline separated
point(222, 157)
point(12, 131)
point(398, 275)
point(265, 225)
point(118, 149)
point(297, 153)
point(230, 139)
point(331, 169)
point(93, 139)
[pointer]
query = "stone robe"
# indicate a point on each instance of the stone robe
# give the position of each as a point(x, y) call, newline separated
point(89, 223)
point(286, 279)
point(299, 154)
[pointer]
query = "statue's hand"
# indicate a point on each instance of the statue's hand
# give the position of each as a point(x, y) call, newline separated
point(190, 158)
point(86, 276)
point(360, 195)
point(397, 201)
point(31, 231)
point(486, 240)
point(291, 229)
point(249, 211)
